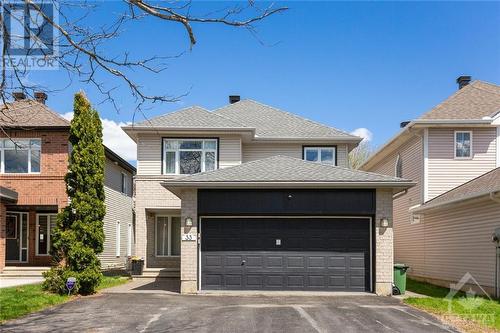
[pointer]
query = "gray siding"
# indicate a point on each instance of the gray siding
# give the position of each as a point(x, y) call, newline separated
point(113, 177)
point(118, 208)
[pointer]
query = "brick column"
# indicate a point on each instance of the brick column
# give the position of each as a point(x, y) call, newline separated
point(3, 222)
point(384, 244)
point(189, 249)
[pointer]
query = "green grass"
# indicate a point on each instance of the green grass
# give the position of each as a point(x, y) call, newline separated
point(482, 312)
point(19, 301)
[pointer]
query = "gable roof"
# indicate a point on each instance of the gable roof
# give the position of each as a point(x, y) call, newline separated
point(191, 117)
point(482, 185)
point(289, 172)
point(474, 101)
point(476, 104)
point(30, 114)
point(270, 122)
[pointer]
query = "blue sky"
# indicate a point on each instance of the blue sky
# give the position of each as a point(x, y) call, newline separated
point(347, 64)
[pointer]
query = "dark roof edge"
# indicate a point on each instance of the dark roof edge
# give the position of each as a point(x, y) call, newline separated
point(116, 158)
point(7, 194)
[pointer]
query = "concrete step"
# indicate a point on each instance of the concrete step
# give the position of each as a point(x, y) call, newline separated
point(149, 273)
point(23, 271)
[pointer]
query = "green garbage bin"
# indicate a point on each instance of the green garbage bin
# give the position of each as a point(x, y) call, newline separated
point(400, 277)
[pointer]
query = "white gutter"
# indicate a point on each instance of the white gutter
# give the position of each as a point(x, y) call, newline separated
point(426, 207)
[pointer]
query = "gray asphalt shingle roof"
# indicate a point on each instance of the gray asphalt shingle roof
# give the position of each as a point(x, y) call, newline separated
point(191, 117)
point(286, 169)
point(474, 101)
point(482, 185)
point(270, 122)
point(28, 114)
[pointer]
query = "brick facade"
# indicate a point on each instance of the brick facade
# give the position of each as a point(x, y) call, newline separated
point(44, 191)
point(383, 244)
point(152, 198)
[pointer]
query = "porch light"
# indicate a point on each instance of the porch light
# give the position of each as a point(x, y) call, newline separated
point(189, 222)
point(384, 222)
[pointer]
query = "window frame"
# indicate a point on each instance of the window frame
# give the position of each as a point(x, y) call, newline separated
point(129, 239)
point(124, 183)
point(118, 238)
point(29, 149)
point(455, 146)
point(177, 159)
point(37, 234)
point(169, 234)
point(319, 147)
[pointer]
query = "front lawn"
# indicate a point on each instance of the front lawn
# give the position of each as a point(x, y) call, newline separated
point(471, 314)
point(19, 301)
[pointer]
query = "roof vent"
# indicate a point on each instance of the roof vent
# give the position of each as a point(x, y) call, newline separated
point(404, 123)
point(463, 80)
point(40, 97)
point(18, 95)
point(234, 98)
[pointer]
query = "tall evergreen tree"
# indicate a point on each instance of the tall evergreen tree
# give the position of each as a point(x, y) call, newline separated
point(78, 237)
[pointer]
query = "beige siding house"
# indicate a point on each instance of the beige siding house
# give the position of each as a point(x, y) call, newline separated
point(236, 197)
point(455, 143)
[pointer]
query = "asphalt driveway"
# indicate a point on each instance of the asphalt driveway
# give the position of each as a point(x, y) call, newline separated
point(207, 313)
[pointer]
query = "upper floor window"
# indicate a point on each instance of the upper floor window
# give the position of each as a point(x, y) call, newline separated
point(463, 144)
point(325, 155)
point(399, 167)
point(125, 183)
point(188, 156)
point(20, 156)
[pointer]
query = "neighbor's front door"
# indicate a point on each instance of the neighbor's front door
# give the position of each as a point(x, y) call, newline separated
point(13, 239)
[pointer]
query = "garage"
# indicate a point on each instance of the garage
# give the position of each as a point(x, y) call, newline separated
point(286, 253)
point(281, 223)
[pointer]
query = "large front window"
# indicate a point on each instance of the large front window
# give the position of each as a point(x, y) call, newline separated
point(324, 155)
point(168, 236)
point(20, 156)
point(188, 156)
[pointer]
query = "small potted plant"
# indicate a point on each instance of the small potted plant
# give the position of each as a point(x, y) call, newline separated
point(137, 265)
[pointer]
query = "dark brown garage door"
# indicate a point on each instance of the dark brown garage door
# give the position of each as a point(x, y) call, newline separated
point(329, 254)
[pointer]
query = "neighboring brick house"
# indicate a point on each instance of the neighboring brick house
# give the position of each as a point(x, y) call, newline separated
point(252, 197)
point(443, 225)
point(34, 152)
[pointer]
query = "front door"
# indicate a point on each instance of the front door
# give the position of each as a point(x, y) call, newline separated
point(13, 239)
point(16, 234)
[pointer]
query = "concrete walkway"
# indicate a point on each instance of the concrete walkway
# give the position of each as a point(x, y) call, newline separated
point(13, 282)
point(169, 286)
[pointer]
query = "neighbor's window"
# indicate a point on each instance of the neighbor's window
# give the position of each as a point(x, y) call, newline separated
point(20, 156)
point(168, 236)
point(188, 156)
point(45, 223)
point(325, 155)
point(125, 183)
point(463, 144)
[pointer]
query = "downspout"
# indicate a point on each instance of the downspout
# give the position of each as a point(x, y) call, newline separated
point(497, 241)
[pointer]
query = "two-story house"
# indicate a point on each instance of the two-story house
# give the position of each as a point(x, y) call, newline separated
point(443, 225)
point(249, 197)
point(34, 152)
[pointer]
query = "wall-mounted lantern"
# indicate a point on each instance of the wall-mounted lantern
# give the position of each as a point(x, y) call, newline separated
point(189, 221)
